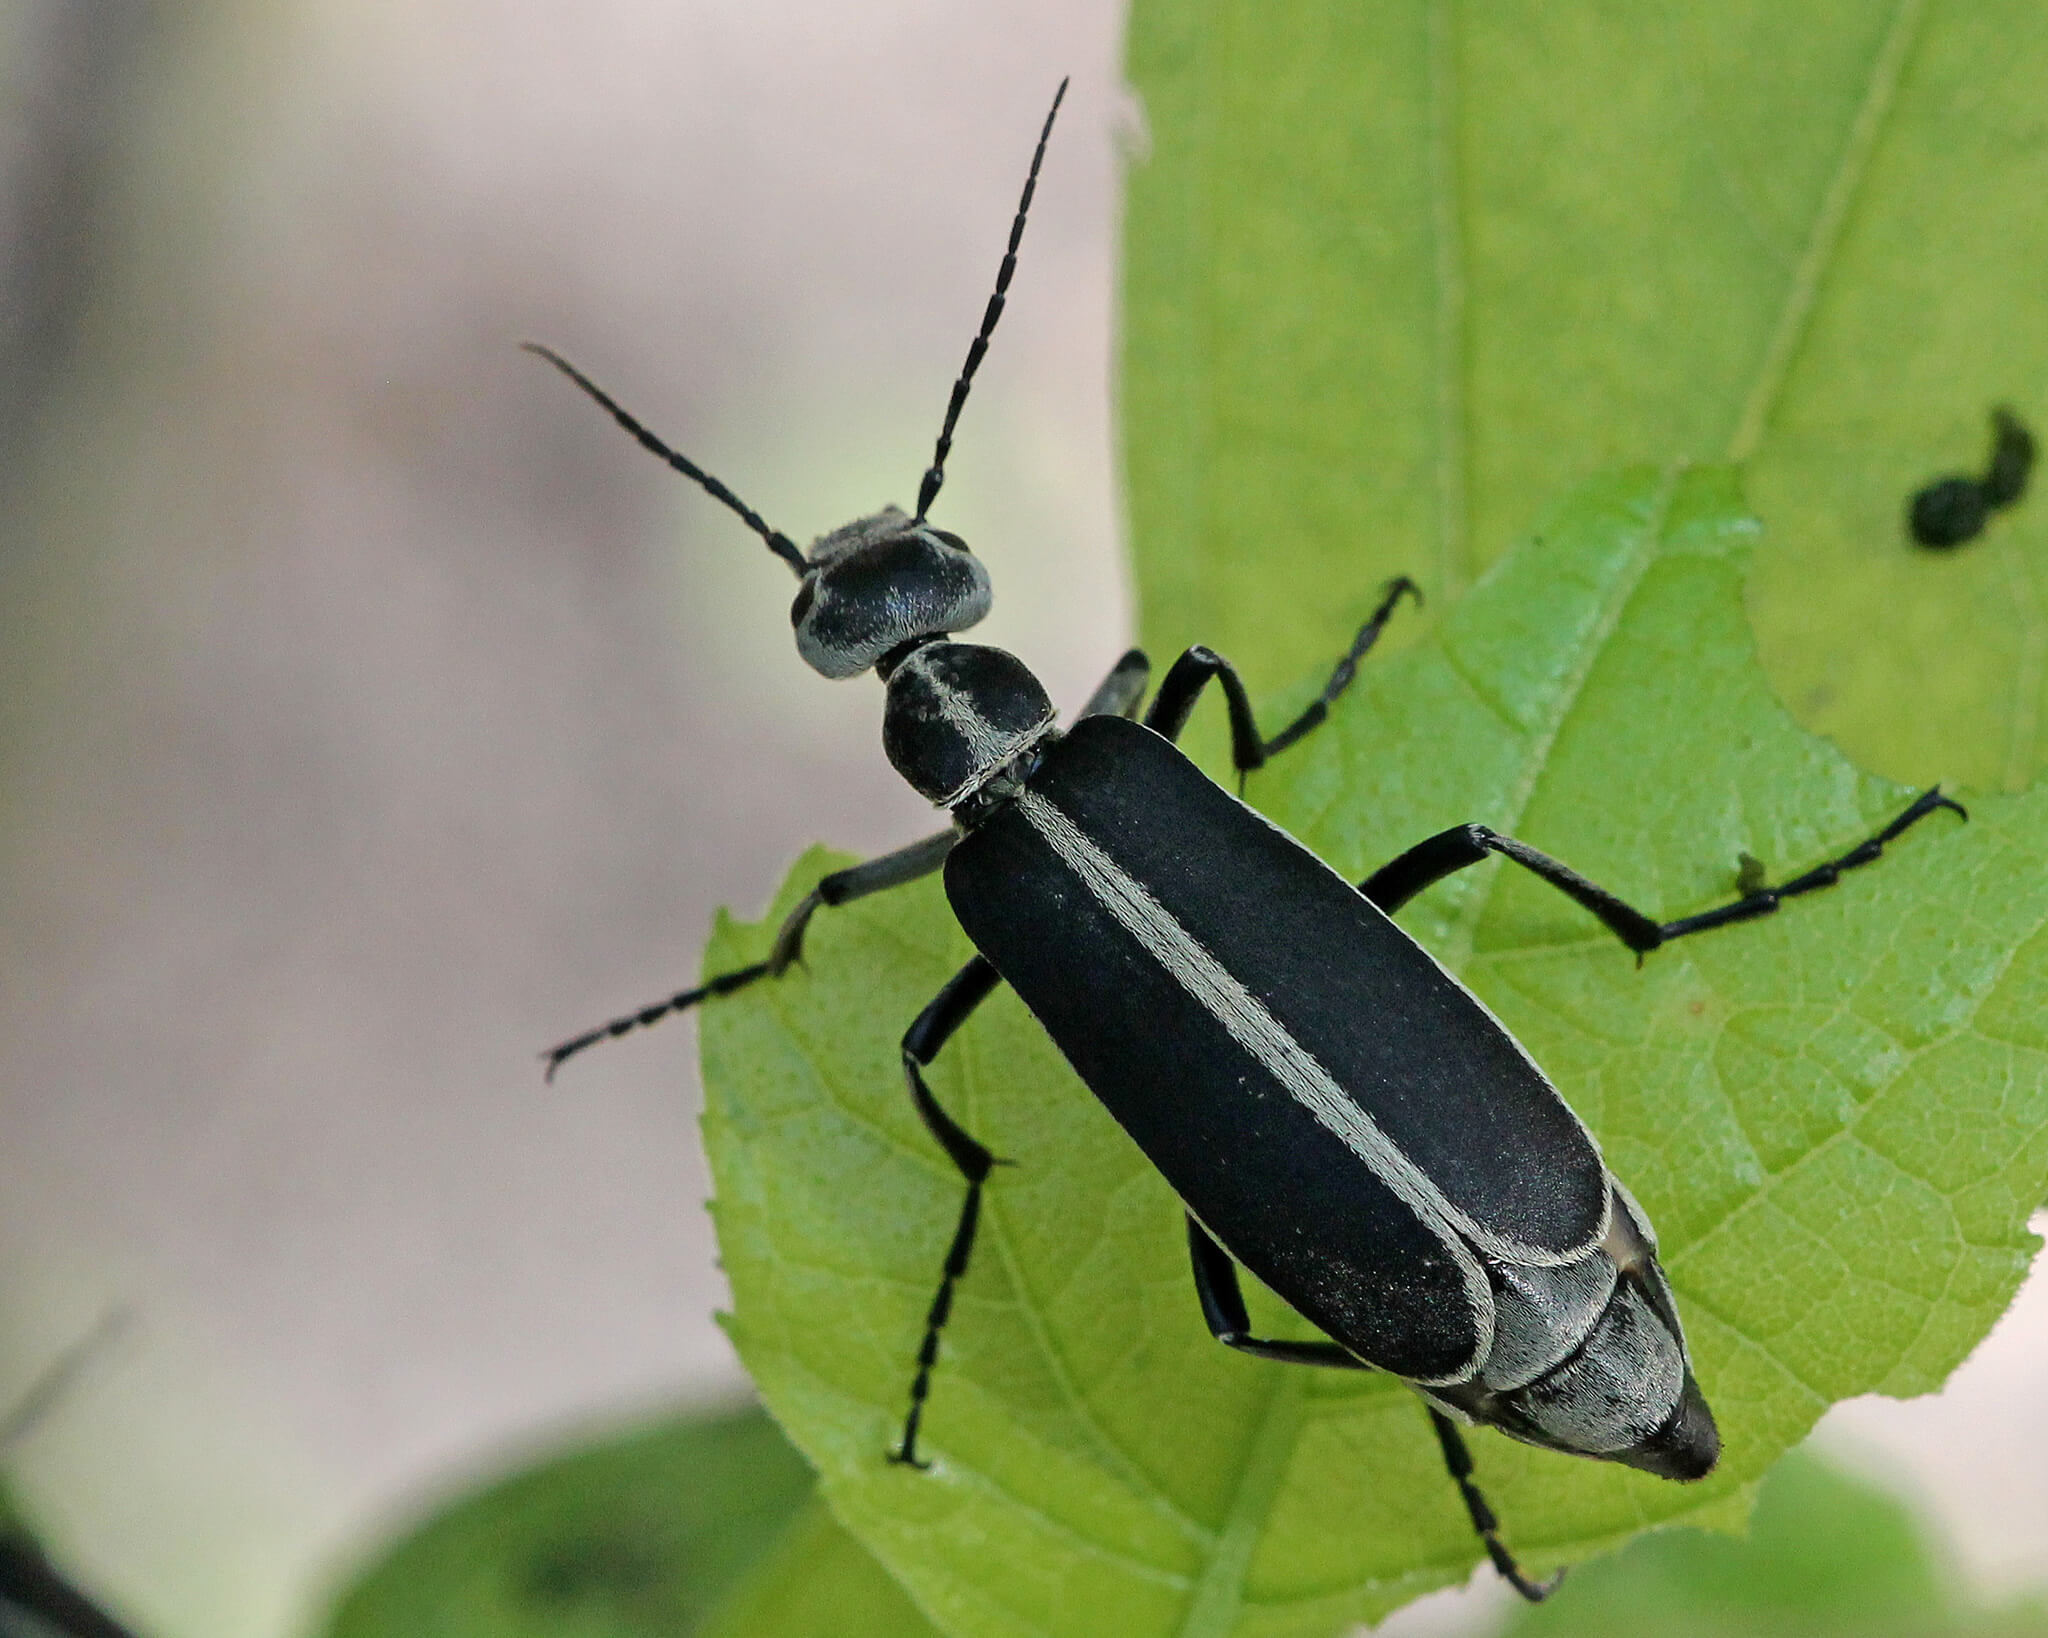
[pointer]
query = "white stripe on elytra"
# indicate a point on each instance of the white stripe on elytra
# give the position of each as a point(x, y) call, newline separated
point(1268, 1040)
point(1254, 1028)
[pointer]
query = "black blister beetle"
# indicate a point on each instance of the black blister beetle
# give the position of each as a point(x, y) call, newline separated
point(1336, 1112)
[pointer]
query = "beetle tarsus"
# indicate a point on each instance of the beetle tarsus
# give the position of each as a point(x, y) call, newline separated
point(957, 1257)
point(1764, 901)
point(906, 864)
point(1459, 1461)
point(1249, 749)
point(723, 984)
point(1346, 669)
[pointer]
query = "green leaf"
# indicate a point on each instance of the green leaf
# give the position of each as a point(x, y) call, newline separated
point(1400, 276)
point(1837, 1118)
point(1827, 1556)
point(701, 1525)
point(818, 1583)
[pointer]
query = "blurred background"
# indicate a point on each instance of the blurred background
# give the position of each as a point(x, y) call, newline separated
point(375, 715)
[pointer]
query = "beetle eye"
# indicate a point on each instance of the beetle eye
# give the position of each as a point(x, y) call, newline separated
point(806, 594)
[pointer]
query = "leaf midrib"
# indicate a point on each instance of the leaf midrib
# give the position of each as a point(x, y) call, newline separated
point(1453, 356)
point(1219, 1594)
point(995, 1226)
point(1824, 238)
point(1462, 930)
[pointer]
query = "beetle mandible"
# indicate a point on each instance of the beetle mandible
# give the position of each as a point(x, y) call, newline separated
point(1336, 1112)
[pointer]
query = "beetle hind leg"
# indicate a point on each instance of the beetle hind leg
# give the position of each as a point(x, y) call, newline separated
point(1222, 1299)
point(1459, 1461)
point(922, 1042)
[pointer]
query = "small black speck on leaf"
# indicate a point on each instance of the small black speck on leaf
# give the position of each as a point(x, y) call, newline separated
point(1952, 510)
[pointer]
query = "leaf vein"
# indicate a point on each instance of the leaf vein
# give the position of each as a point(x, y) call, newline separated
point(1120, 1462)
point(1803, 295)
point(1453, 356)
point(1219, 1595)
point(1462, 933)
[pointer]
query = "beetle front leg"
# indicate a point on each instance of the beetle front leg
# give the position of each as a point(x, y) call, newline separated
point(1450, 851)
point(950, 1008)
point(906, 864)
point(1118, 694)
point(1195, 669)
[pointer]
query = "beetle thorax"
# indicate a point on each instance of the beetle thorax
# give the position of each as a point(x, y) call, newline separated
point(960, 719)
point(880, 582)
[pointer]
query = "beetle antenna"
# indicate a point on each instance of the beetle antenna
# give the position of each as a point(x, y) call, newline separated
point(935, 474)
point(778, 543)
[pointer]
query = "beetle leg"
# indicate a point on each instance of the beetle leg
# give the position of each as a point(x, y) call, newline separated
point(906, 864)
point(1223, 1307)
point(1449, 851)
point(1175, 703)
point(964, 991)
point(1195, 669)
point(1761, 901)
point(1346, 668)
point(1459, 1460)
point(1119, 692)
point(1222, 1300)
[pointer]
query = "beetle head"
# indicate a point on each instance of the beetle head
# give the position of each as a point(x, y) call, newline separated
point(879, 582)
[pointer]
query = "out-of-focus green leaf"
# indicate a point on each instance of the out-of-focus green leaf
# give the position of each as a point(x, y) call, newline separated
point(817, 1583)
point(1399, 276)
point(700, 1525)
point(1827, 1556)
point(37, 1599)
point(1838, 1118)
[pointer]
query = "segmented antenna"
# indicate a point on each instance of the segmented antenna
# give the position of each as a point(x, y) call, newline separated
point(935, 474)
point(778, 543)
